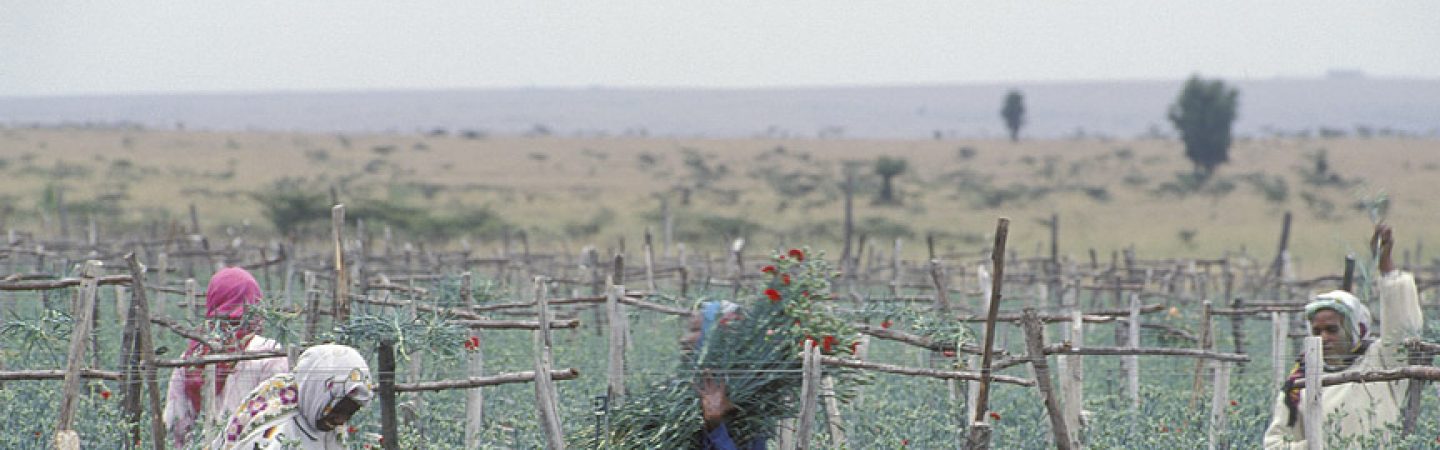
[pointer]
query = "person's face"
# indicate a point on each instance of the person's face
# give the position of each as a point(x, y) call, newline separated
point(338, 415)
point(1330, 327)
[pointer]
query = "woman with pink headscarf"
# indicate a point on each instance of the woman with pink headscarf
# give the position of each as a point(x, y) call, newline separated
point(230, 292)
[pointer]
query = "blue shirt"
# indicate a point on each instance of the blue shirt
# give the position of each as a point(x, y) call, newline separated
point(719, 439)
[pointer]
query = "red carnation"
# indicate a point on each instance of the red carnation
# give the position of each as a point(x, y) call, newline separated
point(1234, 403)
point(768, 269)
point(351, 430)
point(948, 353)
point(826, 343)
point(994, 415)
point(885, 324)
point(905, 442)
point(785, 279)
point(797, 254)
point(855, 347)
point(105, 394)
point(773, 294)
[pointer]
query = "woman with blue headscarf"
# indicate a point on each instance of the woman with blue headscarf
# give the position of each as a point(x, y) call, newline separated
point(1352, 343)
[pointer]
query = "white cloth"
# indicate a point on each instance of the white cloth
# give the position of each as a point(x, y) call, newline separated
point(1363, 409)
point(281, 412)
point(180, 414)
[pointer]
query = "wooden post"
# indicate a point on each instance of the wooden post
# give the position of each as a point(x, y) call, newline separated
point(684, 271)
point(1206, 340)
point(649, 263)
point(997, 256)
point(312, 307)
point(545, 395)
point(1413, 388)
point(389, 427)
point(162, 305)
point(832, 413)
point(1132, 362)
point(194, 220)
point(1347, 283)
point(738, 260)
point(474, 397)
point(618, 331)
point(1035, 350)
point(196, 311)
point(131, 387)
point(937, 276)
point(809, 389)
point(1279, 347)
point(849, 191)
point(1312, 415)
point(145, 347)
point(979, 437)
point(669, 223)
point(895, 272)
point(341, 308)
point(1276, 268)
point(1072, 380)
point(1218, 402)
point(82, 314)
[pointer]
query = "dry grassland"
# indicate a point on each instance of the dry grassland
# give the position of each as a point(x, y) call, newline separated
point(549, 184)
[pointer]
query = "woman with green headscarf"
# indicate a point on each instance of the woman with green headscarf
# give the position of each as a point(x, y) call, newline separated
point(1352, 343)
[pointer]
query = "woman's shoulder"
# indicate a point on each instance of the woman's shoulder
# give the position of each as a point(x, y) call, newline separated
point(262, 343)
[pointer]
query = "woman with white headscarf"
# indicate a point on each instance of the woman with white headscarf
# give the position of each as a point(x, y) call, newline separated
point(305, 409)
point(1353, 344)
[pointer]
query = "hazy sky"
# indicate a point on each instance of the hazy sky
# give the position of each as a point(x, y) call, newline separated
point(74, 47)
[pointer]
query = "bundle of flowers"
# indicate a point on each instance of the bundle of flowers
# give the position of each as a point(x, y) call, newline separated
point(755, 353)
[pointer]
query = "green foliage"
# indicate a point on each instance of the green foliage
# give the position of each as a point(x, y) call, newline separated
point(1203, 114)
point(290, 204)
point(888, 168)
point(1014, 113)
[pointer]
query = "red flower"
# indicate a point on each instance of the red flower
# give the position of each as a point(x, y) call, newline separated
point(904, 442)
point(826, 343)
point(773, 294)
point(1234, 403)
point(809, 339)
point(768, 269)
point(948, 353)
point(785, 279)
point(855, 347)
point(797, 254)
point(105, 394)
point(351, 430)
point(994, 415)
point(472, 343)
point(805, 294)
point(885, 324)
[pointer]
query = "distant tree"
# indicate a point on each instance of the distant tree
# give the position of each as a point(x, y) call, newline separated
point(1203, 114)
point(888, 168)
point(1014, 113)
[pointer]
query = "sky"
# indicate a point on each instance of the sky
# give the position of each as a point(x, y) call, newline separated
point(64, 47)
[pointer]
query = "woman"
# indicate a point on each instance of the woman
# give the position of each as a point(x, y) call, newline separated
point(230, 292)
point(306, 409)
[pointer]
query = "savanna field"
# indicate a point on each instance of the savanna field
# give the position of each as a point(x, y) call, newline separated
point(436, 189)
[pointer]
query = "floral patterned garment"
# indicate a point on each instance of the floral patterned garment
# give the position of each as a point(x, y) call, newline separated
point(281, 412)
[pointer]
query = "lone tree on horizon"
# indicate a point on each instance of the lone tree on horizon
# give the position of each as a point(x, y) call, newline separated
point(1014, 113)
point(888, 168)
point(1203, 114)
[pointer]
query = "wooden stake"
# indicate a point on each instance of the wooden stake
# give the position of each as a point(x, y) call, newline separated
point(1279, 348)
point(389, 426)
point(809, 390)
point(1035, 350)
point(618, 330)
point(1313, 415)
point(1218, 402)
point(545, 396)
point(649, 263)
point(341, 308)
point(146, 349)
point(82, 314)
point(832, 413)
point(1132, 363)
point(997, 257)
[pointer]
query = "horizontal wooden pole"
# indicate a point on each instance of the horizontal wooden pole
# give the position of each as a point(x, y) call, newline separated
point(1427, 373)
point(671, 310)
point(46, 285)
point(474, 382)
point(220, 358)
point(913, 371)
point(515, 324)
point(917, 340)
point(56, 374)
point(1066, 349)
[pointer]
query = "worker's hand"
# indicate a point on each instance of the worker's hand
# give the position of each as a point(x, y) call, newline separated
point(1383, 241)
point(714, 404)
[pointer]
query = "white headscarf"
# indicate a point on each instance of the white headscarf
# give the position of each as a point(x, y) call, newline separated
point(1355, 316)
point(281, 412)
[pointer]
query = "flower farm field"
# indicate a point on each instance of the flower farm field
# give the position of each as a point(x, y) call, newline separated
point(137, 187)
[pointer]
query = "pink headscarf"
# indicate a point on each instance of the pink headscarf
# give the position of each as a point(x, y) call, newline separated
point(231, 290)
